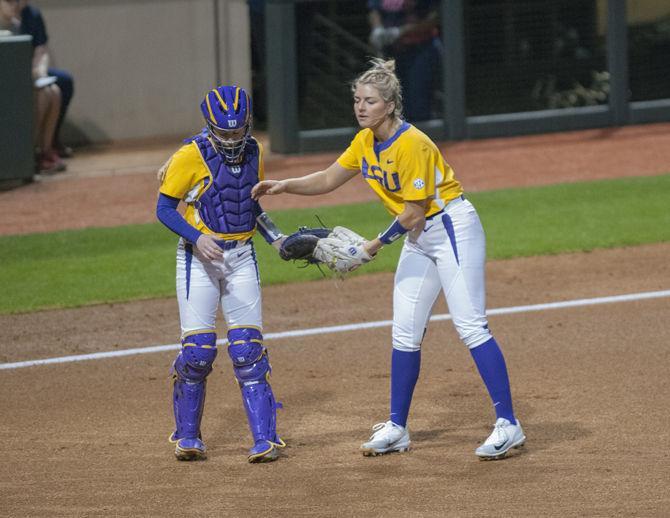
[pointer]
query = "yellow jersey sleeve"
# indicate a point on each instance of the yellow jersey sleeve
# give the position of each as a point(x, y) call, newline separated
point(183, 172)
point(417, 164)
point(352, 156)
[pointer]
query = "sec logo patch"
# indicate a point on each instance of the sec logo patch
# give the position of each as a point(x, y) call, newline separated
point(419, 183)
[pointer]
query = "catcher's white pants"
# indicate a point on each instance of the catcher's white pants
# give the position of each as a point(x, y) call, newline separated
point(449, 255)
point(232, 281)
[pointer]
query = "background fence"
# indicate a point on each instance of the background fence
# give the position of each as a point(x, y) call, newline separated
point(507, 67)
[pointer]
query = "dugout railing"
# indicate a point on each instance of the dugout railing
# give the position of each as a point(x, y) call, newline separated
point(315, 47)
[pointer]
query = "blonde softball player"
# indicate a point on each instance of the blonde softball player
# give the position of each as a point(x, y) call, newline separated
point(444, 250)
point(216, 266)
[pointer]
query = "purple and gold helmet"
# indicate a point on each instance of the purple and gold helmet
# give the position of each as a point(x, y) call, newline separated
point(227, 110)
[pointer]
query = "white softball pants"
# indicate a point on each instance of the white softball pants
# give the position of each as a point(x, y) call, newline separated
point(232, 282)
point(448, 255)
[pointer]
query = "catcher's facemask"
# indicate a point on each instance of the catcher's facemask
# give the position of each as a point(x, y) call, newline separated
point(229, 143)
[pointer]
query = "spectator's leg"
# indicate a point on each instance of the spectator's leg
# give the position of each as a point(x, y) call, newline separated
point(403, 62)
point(49, 103)
point(50, 118)
point(422, 61)
point(42, 100)
point(66, 84)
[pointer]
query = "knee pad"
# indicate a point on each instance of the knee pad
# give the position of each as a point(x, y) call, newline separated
point(250, 359)
point(252, 368)
point(194, 361)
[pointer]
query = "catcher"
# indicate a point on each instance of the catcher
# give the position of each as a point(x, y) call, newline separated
point(212, 174)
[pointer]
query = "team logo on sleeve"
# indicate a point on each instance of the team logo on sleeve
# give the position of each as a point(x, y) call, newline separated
point(419, 183)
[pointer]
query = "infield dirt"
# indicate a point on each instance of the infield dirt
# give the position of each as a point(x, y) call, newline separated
point(590, 383)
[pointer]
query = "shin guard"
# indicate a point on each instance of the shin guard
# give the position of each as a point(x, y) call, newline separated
point(191, 368)
point(252, 370)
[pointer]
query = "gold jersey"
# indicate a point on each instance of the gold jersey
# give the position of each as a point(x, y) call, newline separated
point(406, 167)
point(187, 177)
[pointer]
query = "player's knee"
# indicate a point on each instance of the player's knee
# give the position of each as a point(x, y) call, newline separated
point(405, 344)
point(194, 361)
point(250, 359)
point(472, 337)
point(405, 338)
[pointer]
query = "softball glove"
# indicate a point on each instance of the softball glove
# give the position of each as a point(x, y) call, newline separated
point(300, 245)
point(342, 251)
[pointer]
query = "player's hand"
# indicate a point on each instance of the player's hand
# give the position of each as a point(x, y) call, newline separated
point(391, 35)
point(268, 187)
point(277, 244)
point(377, 38)
point(208, 247)
point(373, 246)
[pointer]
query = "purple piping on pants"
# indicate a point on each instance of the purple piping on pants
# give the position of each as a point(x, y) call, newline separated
point(188, 248)
point(449, 226)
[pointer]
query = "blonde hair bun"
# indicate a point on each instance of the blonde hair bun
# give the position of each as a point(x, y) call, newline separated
point(381, 75)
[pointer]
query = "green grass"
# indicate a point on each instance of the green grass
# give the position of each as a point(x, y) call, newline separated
point(73, 268)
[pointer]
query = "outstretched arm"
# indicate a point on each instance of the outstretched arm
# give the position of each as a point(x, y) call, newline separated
point(319, 182)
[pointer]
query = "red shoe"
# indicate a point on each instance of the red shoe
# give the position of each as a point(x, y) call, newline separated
point(50, 162)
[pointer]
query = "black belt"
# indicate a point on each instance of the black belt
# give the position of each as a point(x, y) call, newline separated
point(442, 210)
point(229, 245)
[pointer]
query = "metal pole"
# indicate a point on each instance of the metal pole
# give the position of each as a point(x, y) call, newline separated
point(617, 61)
point(217, 43)
point(282, 75)
point(453, 68)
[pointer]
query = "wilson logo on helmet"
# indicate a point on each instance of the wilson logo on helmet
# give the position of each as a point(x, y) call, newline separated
point(227, 112)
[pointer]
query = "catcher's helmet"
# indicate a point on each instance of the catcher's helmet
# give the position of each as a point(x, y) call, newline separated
point(227, 110)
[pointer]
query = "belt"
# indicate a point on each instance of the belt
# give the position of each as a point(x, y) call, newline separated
point(229, 245)
point(461, 198)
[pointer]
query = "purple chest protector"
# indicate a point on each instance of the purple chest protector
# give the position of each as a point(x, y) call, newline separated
point(226, 206)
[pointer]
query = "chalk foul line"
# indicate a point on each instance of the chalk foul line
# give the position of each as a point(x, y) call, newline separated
point(342, 328)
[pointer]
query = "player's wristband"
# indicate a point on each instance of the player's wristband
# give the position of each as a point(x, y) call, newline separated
point(267, 228)
point(393, 233)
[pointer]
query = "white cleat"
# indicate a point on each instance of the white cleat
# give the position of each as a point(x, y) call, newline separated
point(504, 437)
point(386, 438)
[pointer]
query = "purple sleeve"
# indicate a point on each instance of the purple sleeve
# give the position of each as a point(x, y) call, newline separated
point(166, 212)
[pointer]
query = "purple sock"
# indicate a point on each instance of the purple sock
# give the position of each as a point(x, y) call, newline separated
point(404, 373)
point(491, 365)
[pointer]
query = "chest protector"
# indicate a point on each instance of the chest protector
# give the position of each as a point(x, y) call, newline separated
point(225, 205)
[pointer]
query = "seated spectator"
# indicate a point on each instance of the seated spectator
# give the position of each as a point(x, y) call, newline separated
point(407, 31)
point(9, 10)
point(47, 110)
point(47, 96)
point(32, 23)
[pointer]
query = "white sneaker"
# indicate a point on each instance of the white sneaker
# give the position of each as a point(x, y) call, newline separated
point(504, 437)
point(386, 438)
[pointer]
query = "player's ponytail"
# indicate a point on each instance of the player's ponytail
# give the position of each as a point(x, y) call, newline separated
point(381, 75)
